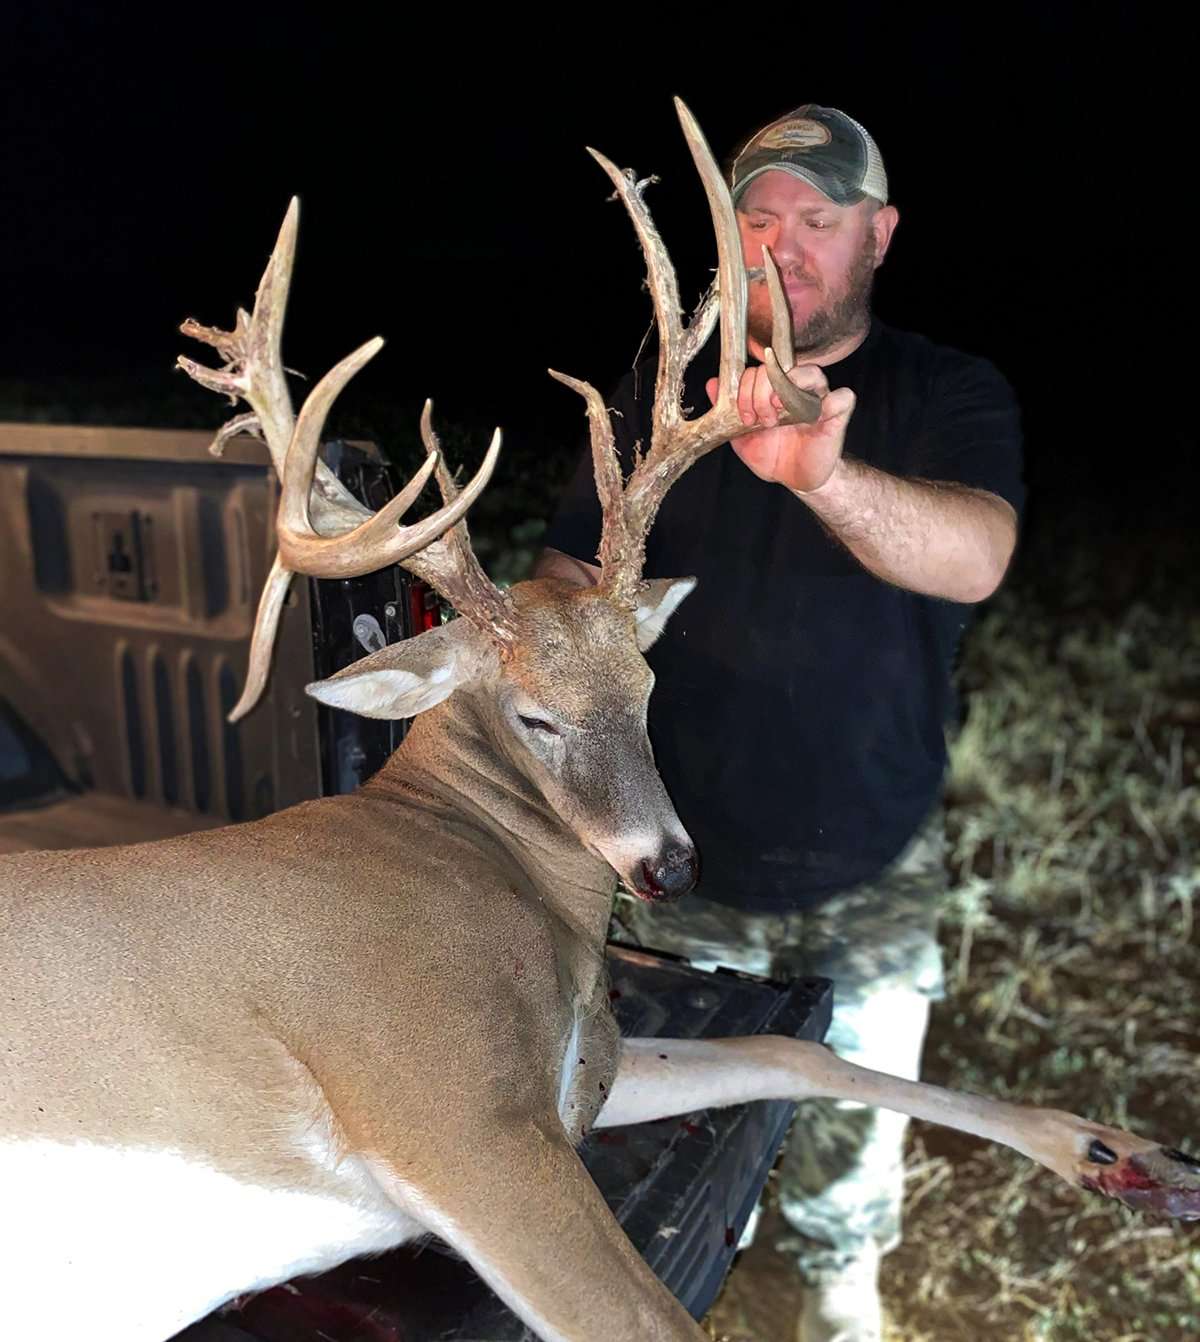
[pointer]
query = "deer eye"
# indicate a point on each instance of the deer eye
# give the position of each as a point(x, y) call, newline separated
point(539, 725)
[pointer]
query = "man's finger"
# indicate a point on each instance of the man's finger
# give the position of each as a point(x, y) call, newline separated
point(838, 404)
point(766, 407)
point(745, 398)
point(808, 377)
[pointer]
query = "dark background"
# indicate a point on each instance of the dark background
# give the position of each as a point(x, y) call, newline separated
point(1041, 162)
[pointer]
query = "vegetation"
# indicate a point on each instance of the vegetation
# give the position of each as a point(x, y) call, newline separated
point(1074, 956)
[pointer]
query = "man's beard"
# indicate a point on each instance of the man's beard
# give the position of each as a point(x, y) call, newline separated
point(846, 315)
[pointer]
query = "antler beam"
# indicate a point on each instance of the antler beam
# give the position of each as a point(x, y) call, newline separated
point(323, 531)
point(629, 508)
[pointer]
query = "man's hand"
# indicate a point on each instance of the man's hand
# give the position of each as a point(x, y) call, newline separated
point(801, 456)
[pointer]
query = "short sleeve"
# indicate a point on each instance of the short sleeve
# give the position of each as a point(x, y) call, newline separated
point(972, 431)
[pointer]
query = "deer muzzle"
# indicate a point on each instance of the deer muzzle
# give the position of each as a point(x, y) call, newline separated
point(669, 876)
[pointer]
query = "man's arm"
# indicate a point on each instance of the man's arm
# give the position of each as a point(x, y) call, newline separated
point(941, 539)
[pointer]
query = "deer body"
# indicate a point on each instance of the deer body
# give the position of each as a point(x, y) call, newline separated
point(282, 1035)
point(252, 1018)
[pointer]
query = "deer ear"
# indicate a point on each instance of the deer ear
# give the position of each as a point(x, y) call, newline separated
point(406, 678)
point(656, 605)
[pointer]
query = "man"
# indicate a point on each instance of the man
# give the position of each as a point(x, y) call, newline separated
point(803, 692)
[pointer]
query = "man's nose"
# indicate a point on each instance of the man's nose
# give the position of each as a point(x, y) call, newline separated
point(788, 249)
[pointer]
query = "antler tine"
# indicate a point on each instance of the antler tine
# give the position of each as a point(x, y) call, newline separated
point(262, 346)
point(801, 407)
point(671, 453)
point(615, 543)
point(262, 640)
point(731, 271)
point(378, 541)
point(253, 371)
point(664, 291)
point(448, 563)
point(301, 456)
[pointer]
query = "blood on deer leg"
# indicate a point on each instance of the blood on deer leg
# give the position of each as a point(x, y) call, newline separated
point(660, 1078)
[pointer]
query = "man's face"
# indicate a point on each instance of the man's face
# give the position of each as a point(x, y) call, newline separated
point(827, 255)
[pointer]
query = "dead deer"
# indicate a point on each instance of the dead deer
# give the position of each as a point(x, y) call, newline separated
point(247, 1054)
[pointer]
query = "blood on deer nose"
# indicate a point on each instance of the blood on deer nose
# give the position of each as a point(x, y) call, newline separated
point(671, 875)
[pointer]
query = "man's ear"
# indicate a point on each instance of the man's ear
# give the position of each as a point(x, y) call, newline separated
point(656, 604)
point(406, 678)
point(884, 225)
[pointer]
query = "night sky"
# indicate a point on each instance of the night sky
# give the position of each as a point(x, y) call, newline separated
point(1040, 164)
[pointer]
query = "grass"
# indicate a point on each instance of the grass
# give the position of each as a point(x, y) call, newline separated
point(1074, 957)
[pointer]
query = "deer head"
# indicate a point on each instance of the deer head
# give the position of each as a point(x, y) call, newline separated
point(552, 676)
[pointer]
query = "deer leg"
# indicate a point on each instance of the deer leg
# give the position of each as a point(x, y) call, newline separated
point(660, 1078)
point(524, 1212)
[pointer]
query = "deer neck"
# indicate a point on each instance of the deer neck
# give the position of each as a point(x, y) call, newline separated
point(451, 755)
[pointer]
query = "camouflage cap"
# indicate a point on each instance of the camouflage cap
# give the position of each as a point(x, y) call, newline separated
point(822, 146)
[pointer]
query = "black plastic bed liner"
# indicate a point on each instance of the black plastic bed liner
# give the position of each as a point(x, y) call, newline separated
point(683, 1188)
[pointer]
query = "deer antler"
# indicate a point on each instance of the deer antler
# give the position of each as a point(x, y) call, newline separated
point(322, 529)
point(629, 507)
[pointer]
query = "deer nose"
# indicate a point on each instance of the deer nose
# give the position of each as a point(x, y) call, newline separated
point(671, 875)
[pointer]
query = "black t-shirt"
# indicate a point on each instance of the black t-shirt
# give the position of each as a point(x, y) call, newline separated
point(800, 702)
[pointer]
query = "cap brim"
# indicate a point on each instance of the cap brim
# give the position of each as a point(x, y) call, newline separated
point(829, 189)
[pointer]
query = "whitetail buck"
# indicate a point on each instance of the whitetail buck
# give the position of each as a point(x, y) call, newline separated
point(246, 1054)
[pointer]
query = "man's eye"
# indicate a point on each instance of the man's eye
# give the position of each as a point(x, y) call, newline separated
point(539, 725)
